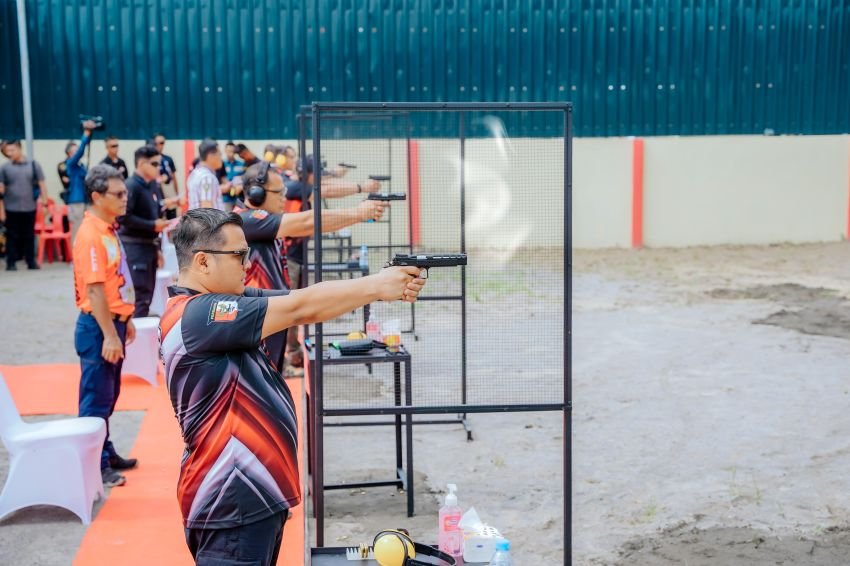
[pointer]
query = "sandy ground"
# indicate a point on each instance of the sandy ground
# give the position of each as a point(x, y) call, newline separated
point(710, 388)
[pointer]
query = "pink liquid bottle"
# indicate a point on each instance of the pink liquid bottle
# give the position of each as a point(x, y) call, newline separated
point(450, 537)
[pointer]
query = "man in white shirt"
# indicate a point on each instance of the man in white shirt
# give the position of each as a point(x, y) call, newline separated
point(202, 186)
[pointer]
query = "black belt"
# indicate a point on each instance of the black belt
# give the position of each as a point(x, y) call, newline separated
point(118, 317)
point(136, 240)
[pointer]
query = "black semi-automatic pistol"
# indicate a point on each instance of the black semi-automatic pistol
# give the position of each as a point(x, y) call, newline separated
point(386, 196)
point(427, 261)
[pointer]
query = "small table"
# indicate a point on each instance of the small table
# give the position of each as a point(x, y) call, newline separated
point(316, 413)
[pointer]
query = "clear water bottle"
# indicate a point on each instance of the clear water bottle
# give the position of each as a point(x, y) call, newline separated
point(502, 556)
point(364, 257)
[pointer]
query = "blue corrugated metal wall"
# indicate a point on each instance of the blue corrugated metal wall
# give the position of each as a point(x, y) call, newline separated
point(241, 68)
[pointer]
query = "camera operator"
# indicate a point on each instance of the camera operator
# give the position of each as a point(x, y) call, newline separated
point(76, 173)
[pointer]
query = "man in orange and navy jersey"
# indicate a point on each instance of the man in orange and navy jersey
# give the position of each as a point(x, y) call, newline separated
point(239, 473)
point(106, 299)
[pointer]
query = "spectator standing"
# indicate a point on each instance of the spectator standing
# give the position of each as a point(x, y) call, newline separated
point(112, 158)
point(234, 168)
point(168, 175)
point(19, 178)
point(142, 224)
point(106, 299)
point(202, 187)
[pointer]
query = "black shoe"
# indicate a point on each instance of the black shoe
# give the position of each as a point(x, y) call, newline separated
point(34, 266)
point(11, 267)
point(111, 478)
point(116, 462)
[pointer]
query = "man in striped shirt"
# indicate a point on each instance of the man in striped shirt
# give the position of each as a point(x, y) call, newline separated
point(202, 186)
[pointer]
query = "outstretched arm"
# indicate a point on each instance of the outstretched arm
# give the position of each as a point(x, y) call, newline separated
point(300, 224)
point(331, 299)
point(336, 188)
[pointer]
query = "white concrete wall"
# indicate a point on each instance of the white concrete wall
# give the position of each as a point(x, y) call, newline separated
point(697, 190)
point(602, 193)
point(745, 190)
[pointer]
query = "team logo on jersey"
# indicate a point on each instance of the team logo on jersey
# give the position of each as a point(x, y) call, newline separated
point(224, 311)
point(259, 214)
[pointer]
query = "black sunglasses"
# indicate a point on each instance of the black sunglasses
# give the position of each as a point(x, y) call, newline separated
point(243, 254)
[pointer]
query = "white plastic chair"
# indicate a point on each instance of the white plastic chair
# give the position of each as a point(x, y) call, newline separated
point(164, 278)
point(142, 356)
point(52, 462)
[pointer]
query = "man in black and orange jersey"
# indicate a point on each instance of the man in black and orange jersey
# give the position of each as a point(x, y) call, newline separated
point(239, 473)
point(106, 299)
point(299, 193)
point(265, 224)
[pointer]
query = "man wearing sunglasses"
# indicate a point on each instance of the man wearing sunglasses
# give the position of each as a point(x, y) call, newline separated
point(141, 226)
point(239, 472)
point(112, 158)
point(168, 174)
point(106, 299)
point(266, 223)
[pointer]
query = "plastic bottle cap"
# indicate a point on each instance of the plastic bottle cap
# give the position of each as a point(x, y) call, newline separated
point(503, 544)
point(451, 498)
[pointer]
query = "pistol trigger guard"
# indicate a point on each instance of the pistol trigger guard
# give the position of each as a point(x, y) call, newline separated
point(425, 271)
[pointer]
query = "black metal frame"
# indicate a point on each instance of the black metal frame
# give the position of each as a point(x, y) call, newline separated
point(318, 108)
point(389, 246)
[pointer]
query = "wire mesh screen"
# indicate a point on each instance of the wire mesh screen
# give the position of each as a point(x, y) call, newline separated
point(487, 335)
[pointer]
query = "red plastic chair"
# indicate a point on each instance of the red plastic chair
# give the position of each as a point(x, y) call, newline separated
point(40, 216)
point(55, 235)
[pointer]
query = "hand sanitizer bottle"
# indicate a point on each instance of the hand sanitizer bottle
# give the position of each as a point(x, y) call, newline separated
point(450, 537)
point(373, 328)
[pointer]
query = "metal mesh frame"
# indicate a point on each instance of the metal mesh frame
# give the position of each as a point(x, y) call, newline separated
point(323, 113)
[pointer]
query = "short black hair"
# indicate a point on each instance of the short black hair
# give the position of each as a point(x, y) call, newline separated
point(200, 228)
point(69, 145)
point(145, 152)
point(208, 146)
point(97, 179)
point(229, 143)
point(108, 139)
point(157, 135)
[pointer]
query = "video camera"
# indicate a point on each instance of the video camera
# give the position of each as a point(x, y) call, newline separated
point(98, 121)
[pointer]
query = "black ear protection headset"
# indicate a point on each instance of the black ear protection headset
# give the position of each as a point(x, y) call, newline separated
point(256, 193)
point(396, 548)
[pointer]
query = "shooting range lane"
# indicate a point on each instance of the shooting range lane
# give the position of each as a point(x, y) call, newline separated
point(140, 523)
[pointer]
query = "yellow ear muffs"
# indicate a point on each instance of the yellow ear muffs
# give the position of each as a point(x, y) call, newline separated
point(393, 548)
point(268, 156)
point(280, 161)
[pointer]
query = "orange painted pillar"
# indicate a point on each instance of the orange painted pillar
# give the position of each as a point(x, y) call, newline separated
point(188, 158)
point(637, 193)
point(413, 187)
